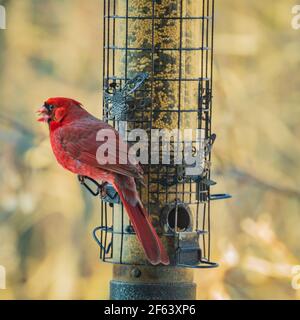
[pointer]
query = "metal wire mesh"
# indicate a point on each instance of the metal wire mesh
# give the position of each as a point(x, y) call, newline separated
point(171, 42)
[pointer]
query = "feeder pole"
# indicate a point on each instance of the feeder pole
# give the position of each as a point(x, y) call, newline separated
point(150, 37)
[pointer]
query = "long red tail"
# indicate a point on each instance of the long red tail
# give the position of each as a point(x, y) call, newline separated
point(145, 232)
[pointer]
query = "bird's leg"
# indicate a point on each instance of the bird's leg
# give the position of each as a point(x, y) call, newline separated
point(102, 188)
point(81, 179)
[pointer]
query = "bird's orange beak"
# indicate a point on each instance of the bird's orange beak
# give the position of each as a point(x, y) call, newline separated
point(44, 113)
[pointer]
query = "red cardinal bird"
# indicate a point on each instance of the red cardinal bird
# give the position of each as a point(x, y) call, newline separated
point(73, 133)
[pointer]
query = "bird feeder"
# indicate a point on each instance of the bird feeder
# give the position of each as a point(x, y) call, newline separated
point(157, 74)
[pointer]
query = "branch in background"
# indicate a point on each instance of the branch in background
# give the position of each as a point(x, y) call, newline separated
point(15, 125)
point(240, 174)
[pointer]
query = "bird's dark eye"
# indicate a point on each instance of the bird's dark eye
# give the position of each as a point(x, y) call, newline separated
point(49, 107)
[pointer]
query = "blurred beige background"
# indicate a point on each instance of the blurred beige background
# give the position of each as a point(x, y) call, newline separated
point(53, 48)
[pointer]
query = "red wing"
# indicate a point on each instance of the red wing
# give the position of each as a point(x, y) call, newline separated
point(79, 141)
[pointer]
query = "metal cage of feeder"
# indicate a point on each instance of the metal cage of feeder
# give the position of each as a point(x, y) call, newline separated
point(157, 74)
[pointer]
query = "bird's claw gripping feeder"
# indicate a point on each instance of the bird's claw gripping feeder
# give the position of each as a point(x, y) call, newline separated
point(157, 74)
